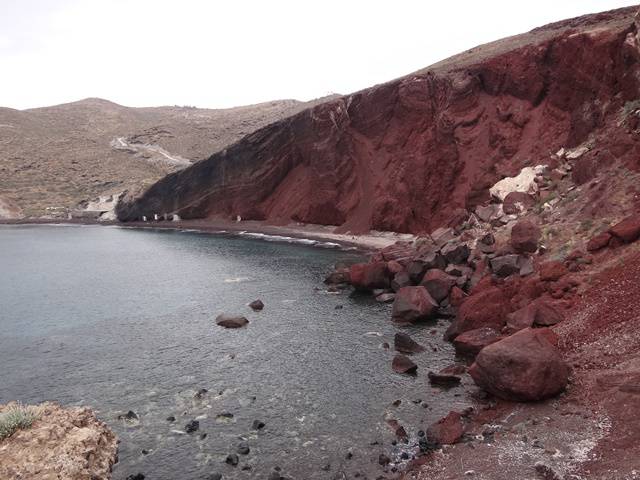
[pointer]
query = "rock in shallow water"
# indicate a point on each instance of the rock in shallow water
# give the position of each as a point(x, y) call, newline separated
point(403, 364)
point(228, 321)
point(256, 305)
point(403, 343)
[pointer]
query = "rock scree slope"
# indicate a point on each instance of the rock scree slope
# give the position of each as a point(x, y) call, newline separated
point(412, 154)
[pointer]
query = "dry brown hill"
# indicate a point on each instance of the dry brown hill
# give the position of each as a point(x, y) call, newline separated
point(52, 158)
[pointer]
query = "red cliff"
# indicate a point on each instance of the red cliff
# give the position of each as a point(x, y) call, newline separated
point(414, 153)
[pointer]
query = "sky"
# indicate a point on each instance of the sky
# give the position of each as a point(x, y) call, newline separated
point(219, 54)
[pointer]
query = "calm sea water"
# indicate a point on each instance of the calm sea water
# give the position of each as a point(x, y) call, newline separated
point(123, 319)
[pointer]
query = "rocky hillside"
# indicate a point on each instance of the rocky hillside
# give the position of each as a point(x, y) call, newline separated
point(53, 158)
point(417, 152)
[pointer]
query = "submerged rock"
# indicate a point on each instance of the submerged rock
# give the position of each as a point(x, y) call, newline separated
point(228, 321)
point(192, 426)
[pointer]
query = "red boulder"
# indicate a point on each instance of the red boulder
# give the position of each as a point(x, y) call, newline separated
point(369, 276)
point(413, 304)
point(523, 367)
point(525, 236)
point(487, 308)
point(438, 284)
point(628, 230)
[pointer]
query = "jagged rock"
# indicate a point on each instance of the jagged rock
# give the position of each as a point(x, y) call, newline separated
point(446, 431)
point(442, 235)
point(456, 296)
point(369, 276)
point(471, 342)
point(525, 236)
point(516, 203)
point(228, 321)
point(67, 443)
point(486, 308)
point(403, 364)
point(413, 304)
point(438, 284)
point(416, 270)
point(400, 279)
point(523, 367)
point(524, 182)
point(599, 242)
point(403, 343)
point(526, 266)
point(455, 252)
point(628, 230)
point(506, 265)
point(256, 305)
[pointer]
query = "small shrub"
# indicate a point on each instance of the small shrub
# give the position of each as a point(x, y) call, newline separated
point(17, 417)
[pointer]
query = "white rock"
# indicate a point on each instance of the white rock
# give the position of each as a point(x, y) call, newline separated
point(523, 182)
point(577, 152)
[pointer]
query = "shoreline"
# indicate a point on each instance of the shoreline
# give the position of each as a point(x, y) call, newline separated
point(367, 243)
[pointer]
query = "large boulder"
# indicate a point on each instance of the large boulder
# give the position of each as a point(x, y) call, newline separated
point(540, 313)
point(524, 367)
point(413, 304)
point(369, 276)
point(470, 343)
point(525, 236)
point(400, 279)
point(487, 308)
point(438, 284)
point(628, 230)
point(229, 321)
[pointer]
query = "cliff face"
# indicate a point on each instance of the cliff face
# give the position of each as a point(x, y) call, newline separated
point(414, 153)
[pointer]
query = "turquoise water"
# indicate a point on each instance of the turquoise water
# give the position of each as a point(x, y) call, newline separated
point(123, 319)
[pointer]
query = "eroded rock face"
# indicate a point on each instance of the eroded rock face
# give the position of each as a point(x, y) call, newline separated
point(410, 154)
point(65, 443)
point(524, 367)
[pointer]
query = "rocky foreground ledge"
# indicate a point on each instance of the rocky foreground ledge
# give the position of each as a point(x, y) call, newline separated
point(63, 443)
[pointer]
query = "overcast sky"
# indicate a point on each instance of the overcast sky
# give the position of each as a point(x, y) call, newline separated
point(236, 52)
